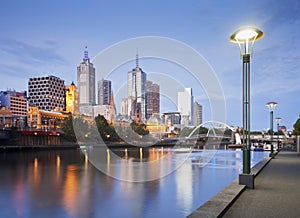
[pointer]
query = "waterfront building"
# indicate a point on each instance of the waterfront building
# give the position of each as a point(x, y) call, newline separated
point(86, 85)
point(197, 114)
point(5, 117)
point(16, 103)
point(156, 127)
point(104, 92)
point(44, 119)
point(72, 99)
point(152, 99)
point(136, 87)
point(185, 106)
point(47, 93)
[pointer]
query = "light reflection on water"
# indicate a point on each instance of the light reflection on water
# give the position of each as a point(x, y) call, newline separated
point(63, 183)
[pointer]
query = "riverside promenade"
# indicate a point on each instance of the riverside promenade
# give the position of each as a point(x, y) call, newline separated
point(276, 193)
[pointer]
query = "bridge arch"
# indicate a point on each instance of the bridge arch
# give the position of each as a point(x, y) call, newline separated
point(209, 122)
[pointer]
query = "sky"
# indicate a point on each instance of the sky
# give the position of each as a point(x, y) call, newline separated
point(48, 38)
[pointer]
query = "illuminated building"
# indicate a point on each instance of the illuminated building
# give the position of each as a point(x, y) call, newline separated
point(155, 127)
point(42, 119)
point(72, 101)
point(5, 117)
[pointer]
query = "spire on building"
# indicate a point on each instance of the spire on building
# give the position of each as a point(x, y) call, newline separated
point(112, 101)
point(137, 58)
point(86, 54)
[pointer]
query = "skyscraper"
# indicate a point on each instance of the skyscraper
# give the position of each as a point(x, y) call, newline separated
point(104, 92)
point(136, 84)
point(197, 114)
point(47, 93)
point(185, 106)
point(152, 99)
point(86, 85)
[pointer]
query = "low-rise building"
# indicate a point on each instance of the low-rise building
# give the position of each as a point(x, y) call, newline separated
point(42, 119)
point(16, 102)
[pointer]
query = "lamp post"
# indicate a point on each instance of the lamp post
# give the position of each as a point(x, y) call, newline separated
point(278, 119)
point(271, 105)
point(245, 38)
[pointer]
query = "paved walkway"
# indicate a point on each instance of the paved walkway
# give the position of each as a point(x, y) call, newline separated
point(276, 193)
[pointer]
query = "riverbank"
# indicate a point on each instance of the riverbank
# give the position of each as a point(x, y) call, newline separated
point(6, 148)
point(221, 202)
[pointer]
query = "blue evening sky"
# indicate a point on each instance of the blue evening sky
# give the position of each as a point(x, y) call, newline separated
point(48, 37)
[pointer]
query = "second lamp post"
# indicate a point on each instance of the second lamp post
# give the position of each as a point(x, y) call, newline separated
point(271, 105)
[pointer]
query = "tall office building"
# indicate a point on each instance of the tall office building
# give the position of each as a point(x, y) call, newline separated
point(86, 85)
point(185, 106)
point(72, 101)
point(197, 113)
point(152, 99)
point(136, 84)
point(47, 93)
point(104, 92)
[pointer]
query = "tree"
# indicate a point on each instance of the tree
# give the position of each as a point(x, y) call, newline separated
point(296, 126)
point(67, 128)
point(106, 130)
point(139, 128)
point(186, 131)
point(74, 129)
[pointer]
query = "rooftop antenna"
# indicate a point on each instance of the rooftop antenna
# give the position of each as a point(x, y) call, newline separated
point(137, 58)
point(86, 54)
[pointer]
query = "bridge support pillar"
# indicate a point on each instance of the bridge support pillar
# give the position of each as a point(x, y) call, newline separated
point(247, 179)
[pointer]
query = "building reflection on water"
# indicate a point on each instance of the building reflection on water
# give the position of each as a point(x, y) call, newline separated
point(63, 183)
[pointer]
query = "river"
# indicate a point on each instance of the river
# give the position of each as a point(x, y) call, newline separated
point(64, 183)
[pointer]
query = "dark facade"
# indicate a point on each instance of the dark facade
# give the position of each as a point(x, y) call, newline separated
point(47, 93)
point(152, 99)
point(104, 92)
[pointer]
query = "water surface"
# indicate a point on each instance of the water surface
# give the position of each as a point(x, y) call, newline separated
point(62, 183)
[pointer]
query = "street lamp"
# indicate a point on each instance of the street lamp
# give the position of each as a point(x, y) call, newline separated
point(245, 38)
point(278, 119)
point(271, 105)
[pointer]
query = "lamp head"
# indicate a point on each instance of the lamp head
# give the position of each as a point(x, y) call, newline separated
point(244, 36)
point(278, 119)
point(271, 105)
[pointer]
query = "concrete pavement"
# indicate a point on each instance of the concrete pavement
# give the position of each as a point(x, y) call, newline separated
point(276, 193)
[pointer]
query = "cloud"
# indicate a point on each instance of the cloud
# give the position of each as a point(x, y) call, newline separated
point(23, 60)
point(31, 54)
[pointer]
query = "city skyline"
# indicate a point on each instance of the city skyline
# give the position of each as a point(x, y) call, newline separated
point(55, 46)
